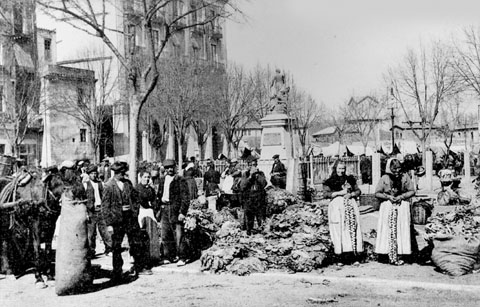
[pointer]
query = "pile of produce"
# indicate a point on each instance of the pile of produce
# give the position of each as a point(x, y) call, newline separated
point(463, 221)
point(295, 240)
point(278, 200)
point(455, 237)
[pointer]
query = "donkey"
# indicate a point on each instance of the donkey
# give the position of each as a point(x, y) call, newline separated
point(37, 208)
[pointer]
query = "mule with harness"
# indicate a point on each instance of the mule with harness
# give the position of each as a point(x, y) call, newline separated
point(29, 209)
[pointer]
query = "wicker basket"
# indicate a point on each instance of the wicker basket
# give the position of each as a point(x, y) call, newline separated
point(370, 200)
point(420, 213)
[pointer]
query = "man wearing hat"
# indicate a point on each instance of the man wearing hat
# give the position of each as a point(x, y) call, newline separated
point(232, 176)
point(254, 192)
point(173, 197)
point(279, 173)
point(211, 179)
point(120, 211)
point(94, 189)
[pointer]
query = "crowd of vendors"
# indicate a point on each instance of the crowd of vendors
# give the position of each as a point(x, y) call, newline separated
point(152, 214)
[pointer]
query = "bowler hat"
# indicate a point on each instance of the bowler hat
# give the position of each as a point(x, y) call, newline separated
point(52, 169)
point(276, 156)
point(117, 167)
point(91, 168)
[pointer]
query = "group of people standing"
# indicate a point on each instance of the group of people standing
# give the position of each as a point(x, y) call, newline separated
point(117, 208)
point(162, 197)
point(394, 241)
point(245, 188)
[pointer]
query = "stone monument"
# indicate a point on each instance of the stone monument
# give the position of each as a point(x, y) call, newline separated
point(276, 138)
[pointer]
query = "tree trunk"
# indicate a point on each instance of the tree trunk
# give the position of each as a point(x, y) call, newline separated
point(180, 156)
point(133, 142)
point(424, 157)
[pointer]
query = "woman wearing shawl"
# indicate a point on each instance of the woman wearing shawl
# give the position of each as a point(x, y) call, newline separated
point(395, 189)
point(343, 213)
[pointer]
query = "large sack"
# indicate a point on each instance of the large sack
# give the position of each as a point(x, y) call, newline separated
point(72, 265)
point(153, 239)
point(455, 255)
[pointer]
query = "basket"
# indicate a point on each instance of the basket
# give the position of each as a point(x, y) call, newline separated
point(370, 200)
point(420, 213)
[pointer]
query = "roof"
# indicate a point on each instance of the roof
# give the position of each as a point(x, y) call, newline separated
point(325, 131)
point(56, 72)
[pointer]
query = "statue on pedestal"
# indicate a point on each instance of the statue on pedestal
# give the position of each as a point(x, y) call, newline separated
point(278, 93)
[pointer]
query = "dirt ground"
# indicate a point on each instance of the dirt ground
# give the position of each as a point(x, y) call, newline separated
point(369, 284)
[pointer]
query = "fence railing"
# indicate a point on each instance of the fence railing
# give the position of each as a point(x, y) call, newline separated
point(318, 169)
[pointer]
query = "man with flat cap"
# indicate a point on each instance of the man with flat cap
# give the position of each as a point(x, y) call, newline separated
point(173, 197)
point(254, 193)
point(94, 189)
point(278, 175)
point(120, 211)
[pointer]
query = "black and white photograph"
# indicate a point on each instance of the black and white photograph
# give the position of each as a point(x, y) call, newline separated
point(239, 153)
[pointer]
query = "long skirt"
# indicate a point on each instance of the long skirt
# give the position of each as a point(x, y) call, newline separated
point(344, 225)
point(393, 231)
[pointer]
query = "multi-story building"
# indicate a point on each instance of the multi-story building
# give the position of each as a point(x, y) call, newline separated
point(202, 43)
point(29, 86)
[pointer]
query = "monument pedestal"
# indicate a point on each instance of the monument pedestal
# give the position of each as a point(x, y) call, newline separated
point(276, 137)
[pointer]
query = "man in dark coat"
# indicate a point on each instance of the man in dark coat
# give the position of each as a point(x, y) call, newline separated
point(366, 169)
point(211, 179)
point(173, 197)
point(104, 171)
point(94, 189)
point(279, 173)
point(254, 193)
point(120, 211)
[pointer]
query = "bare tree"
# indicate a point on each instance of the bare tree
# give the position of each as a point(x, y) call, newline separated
point(467, 58)
point(141, 66)
point(262, 77)
point(179, 91)
point(364, 115)
point(203, 120)
point(421, 85)
point(304, 111)
point(236, 107)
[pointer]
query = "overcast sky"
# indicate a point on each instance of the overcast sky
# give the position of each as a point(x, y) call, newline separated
point(336, 48)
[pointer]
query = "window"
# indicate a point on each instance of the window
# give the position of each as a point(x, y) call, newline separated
point(213, 49)
point(2, 100)
point(18, 18)
point(174, 9)
point(176, 51)
point(131, 38)
point(194, 15)
point(47, 43)
point(83, 135)
point(80, 97)
point(139, 36)
point(2, 149)
point(28, 153)
point(156, 37)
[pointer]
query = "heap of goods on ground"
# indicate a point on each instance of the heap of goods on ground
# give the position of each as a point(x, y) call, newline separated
point(455, 237)
point(295, 237)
